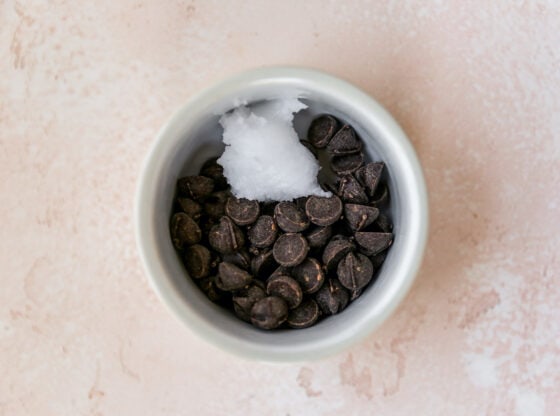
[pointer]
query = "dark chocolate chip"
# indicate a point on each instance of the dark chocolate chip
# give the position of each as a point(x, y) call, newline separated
point(337, 248)
point(286, 288)
point(371, 243)
point(290, 249)
point(346, 164)
point(321, 130)
point(344, 142)
point(323, 211)
point(354, 271)
point(190, 207)
point(290, 218)
point(369, 176)
point(240, 258)
point(197, 261)
point(360, 216)
point(195, 187)
point(184, 230)
point(384, 224)
point(309, 274)
point(381, 195)
point(263, 233)
point(242, 211)
point(350, 190)
point(304, 315)
point(225, 237)
point(263, 264)
point(230, 277)
point(269, 312)
point(318, 236)
point(244, 299)
point(208, 286)
point(212, 169)
point(378, 260)
point(332, 297)
point(214, 205)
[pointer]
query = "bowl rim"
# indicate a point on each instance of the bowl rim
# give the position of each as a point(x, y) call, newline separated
point(147, 247)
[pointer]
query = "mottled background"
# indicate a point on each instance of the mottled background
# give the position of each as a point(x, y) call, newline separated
point(85, 85)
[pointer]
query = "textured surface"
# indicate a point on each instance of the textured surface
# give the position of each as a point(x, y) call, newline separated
point(86, 85)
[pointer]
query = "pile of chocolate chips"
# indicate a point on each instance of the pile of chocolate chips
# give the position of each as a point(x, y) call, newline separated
point(287, 264)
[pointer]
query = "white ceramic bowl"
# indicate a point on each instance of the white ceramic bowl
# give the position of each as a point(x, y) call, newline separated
point(193, 134)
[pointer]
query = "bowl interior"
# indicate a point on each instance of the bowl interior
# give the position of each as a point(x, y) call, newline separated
point(193, 135)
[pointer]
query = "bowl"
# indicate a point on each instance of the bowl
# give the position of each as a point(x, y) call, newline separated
point(193, 135)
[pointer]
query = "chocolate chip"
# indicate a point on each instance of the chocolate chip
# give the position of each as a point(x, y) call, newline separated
point(384, 224)
point(244, 299)
point(242, 211)
point(354, 271)
point(214, 205)
point(344, 142)
point(323, 211)
point(290, 218)
point(321, 130)
point(225, 237)
point(269, 312)
point(184, 230)
point(381, 195)
point(197, 261)
point(263, 233)
point(378, 260)
point(240, 258)
point(195, 187)
point(350, 190)
point(371, 243)
point(286, 288)
point(346, 164)
point(360, 216)
point(369, 176)
point(337, 248)
point(190, 207)
point(263, 264)
point(318, 236)
point(213, 170)
point(332, 297)
point(290, 249)
point(304, 315)
point(208, 286)
point(309, 274)
point(230, 277)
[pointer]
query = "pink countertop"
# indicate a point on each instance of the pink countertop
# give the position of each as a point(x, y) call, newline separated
point(84, 87)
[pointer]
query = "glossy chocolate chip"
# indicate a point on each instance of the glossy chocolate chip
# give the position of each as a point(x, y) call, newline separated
point(263, 264)
point(321, 130)
point(369, 176)
point(354, 271)
point(230, 277)
point(318, 236)
point(269, 312)
point(242, 211)
point(190, 207)
point(372, 243)
point(305, 315)
point(323, 211)
point(290, 249)
point(346, 164)
point(335, 250)
point(350, 190)
point(359, 216)
point(240, 258)
point(332, 297)
point(344, 142)
point(184, 230)
point(309, 274)
point(225, 237)
point(286, 288)
point(195, 187)
point(263, 233)
point(197, 261)
point(290, 218)
point(244, 299)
